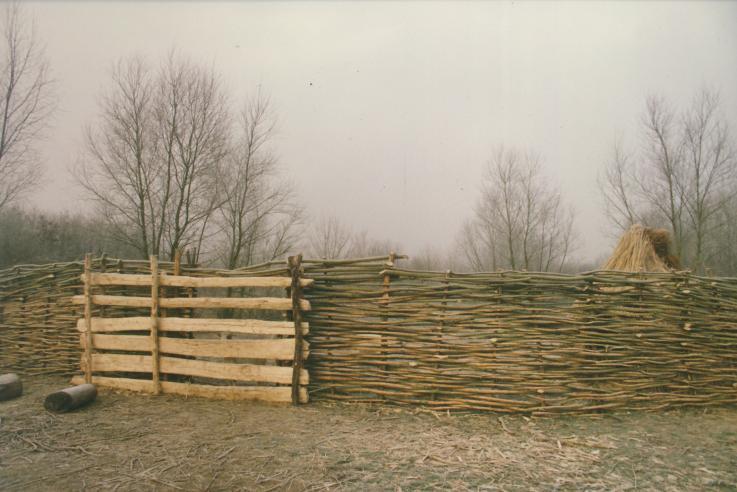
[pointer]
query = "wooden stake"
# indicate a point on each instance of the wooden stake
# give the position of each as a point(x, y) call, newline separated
point(88, 317)
point(295, 266)
point(155, 325)
point(176, 291)
point(441, 325)
point(385, 302)
point(178, 262)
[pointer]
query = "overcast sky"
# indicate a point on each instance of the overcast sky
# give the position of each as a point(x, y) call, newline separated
point(389, 111)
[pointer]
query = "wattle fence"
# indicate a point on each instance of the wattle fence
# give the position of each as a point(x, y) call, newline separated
point(506, 342)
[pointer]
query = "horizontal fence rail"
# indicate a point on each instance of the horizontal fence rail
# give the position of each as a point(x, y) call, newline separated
point(272, 303)
point(282, 394)
point(193, 282)
point(243, 326)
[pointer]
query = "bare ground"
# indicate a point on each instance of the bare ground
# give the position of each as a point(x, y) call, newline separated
point(130, 441)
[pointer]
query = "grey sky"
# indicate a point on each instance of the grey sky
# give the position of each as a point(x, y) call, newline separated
point(388, 111)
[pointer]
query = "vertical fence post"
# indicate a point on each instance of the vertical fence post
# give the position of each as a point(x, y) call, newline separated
point(100, 289)
point(295, 267)
point(385, 303)
point(441, 326)
point(88, 317)
point(156, 386)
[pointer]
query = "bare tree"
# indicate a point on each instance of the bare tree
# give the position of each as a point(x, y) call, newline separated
point(616, 185)
point(662, 185)
point(362, 245)
point(684, 174)
point(154, 159)
point(431, 259)
point(477, 246)
point(258, 216)
point(520, 220)
point(124, 173)
point(710, 170)
point(26, 105)
point(329, 238)
point(722, 255)
point(193, 120)
point(32, 236)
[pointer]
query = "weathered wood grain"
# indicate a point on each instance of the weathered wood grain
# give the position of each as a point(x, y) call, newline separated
point(245, 326)
point(268, 303)
point(279, 349)
point(193, 282)
point(276, 394)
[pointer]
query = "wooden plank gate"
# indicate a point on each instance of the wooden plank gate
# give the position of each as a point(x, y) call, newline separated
point(143, 344)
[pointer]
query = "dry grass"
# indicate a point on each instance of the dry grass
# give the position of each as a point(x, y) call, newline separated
point(139, 442)
point(642, 249)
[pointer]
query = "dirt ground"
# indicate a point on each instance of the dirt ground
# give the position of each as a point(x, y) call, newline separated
point(128, 441)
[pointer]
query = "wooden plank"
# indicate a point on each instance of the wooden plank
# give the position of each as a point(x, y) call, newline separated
point(225, 370)
point(248, 326)
point(276, 394)
point(120, 362)
point(199, 368)
point(127, 384)
point(154, 322)
point(280, 394)
point(194, 282)
point(269, 303)
point(280, 349)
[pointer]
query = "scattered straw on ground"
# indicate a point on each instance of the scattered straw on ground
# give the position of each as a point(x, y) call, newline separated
point(139, 442)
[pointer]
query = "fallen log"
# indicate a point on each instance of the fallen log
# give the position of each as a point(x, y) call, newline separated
point(10, 386)
point(70, 398)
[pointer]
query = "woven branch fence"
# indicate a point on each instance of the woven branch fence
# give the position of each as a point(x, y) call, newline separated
point(506, 342)
point(522, 342)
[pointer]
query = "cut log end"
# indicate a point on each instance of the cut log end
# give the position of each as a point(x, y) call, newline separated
point(10, 386)
point(58, 402)
point(70, 398)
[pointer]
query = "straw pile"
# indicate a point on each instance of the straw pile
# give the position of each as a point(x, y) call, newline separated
point(642, 249)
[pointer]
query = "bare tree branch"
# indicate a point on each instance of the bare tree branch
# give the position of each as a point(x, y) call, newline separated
point(684, 180)
point(153, 161)
point(26, 105)
point(520, 221)
point(258, 216)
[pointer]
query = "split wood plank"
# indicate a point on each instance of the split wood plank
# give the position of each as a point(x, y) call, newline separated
point(277, 394)
point(198, 368)
point(193, 282)
point(273, 303)
point(279, 349)
point(248, 326)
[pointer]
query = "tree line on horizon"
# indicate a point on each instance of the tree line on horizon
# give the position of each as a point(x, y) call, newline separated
point(169, 165)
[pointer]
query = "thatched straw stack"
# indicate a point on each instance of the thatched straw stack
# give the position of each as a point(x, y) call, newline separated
point(642, 249)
